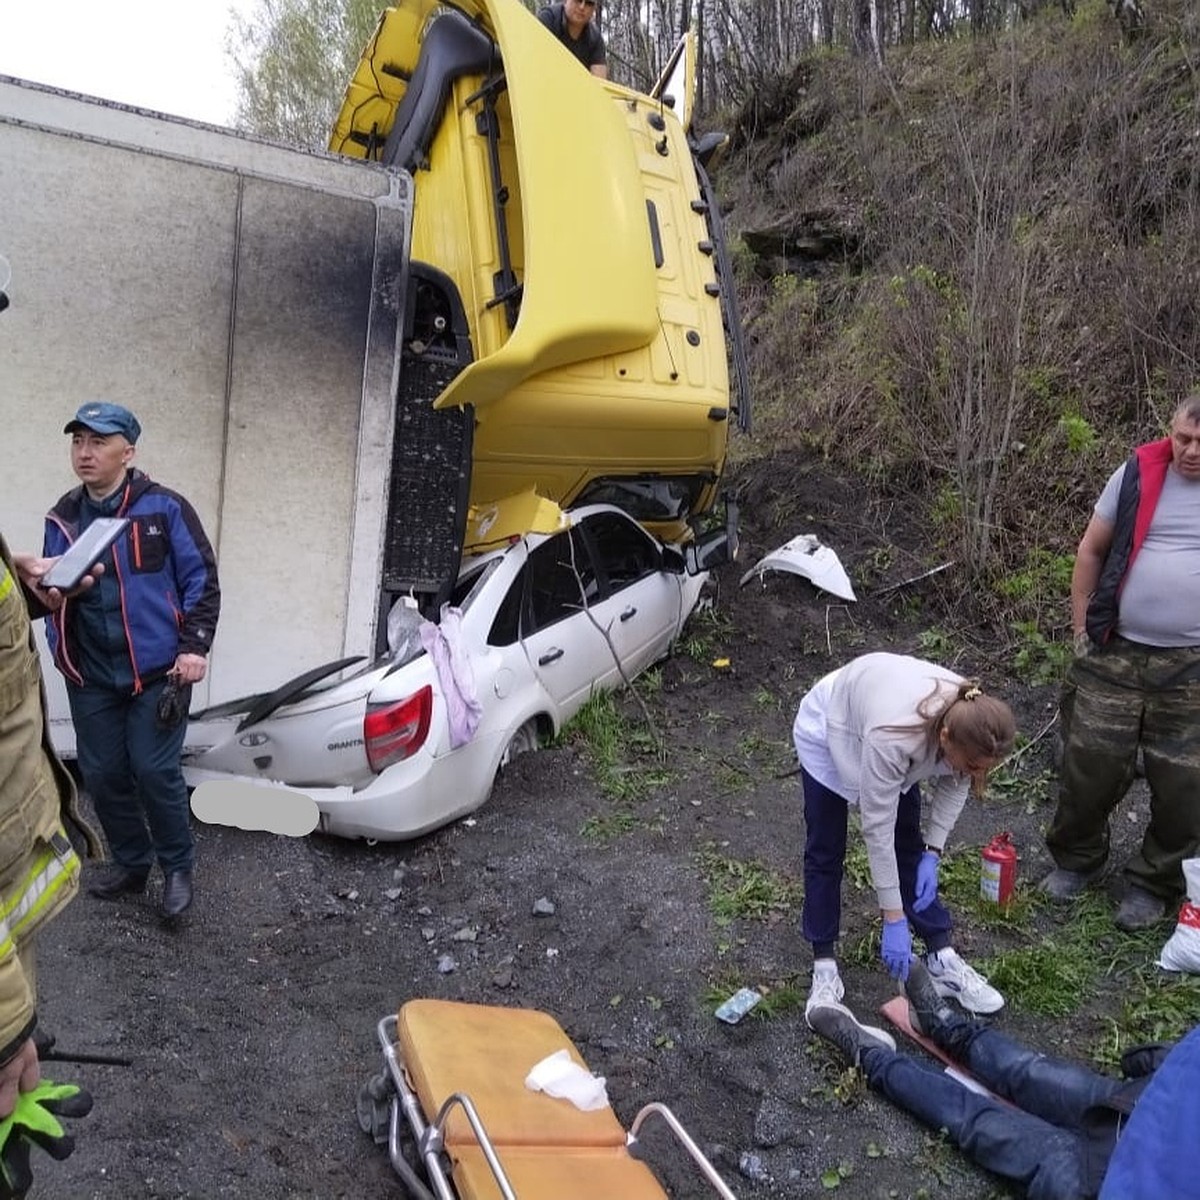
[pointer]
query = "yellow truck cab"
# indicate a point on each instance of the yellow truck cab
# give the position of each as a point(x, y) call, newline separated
point(569, 304)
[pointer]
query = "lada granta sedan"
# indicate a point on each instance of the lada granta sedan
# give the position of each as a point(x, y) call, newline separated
point(387, 750)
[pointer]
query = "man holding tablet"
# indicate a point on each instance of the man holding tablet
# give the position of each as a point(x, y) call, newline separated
point(130, 648)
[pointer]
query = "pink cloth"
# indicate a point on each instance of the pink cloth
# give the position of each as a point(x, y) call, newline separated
point(443, 642)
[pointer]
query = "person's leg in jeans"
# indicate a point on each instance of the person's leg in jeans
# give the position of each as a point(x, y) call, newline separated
point(933, 924)
point(155, 754)
point(100, 717)
point(1051, 1088)
point(1047, 1160)
point(825, 819)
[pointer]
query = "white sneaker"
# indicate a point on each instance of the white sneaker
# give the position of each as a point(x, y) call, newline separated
point(958, 980)
point(827, 989)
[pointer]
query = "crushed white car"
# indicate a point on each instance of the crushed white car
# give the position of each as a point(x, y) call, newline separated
point(393, 749)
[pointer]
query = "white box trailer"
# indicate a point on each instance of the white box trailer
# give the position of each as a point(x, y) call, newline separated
point(244, 299)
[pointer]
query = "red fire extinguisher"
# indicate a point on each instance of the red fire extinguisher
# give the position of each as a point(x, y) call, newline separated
point(999, 869)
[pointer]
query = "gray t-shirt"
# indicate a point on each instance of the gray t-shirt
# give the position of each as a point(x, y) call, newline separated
point(1160, 602)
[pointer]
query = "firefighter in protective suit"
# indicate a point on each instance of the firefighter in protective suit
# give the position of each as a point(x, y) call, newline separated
point(39, 874)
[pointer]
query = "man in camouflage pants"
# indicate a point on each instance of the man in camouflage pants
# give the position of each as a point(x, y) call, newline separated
point(1135, 682)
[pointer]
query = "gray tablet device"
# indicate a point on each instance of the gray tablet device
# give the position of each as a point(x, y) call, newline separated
point(83, 554)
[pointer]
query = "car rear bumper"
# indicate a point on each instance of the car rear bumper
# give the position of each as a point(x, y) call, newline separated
point(405, 801)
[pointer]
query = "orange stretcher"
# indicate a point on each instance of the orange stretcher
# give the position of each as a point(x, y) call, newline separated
point(456, 1074)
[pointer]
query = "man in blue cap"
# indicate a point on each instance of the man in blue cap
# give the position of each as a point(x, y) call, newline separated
point(130, 648)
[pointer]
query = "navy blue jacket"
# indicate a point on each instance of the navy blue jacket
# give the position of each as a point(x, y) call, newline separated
point(166, 573)
point(1155, 1155)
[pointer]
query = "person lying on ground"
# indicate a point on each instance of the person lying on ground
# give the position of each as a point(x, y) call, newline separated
point(1068, 1132)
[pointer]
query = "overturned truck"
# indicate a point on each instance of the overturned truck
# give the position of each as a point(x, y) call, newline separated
point(460, 314)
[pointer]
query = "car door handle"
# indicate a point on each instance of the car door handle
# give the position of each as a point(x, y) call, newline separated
point(553, 656)
point(629, 612)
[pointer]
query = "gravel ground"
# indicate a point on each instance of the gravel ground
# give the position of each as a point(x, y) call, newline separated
point(251, 1027)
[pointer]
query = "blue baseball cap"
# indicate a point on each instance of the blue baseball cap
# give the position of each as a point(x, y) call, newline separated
point(101, 417)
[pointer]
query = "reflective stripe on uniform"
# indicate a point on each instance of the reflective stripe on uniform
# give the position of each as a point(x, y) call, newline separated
point(53, 868)
point(6, 581)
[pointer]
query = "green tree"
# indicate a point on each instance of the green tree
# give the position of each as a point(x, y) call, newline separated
point(293, 60)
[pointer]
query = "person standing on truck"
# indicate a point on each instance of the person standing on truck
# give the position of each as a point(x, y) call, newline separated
point(573, 23)
point(130, 650)
point(869, 734)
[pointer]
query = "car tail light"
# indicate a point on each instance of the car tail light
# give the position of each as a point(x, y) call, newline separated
point(395, 731)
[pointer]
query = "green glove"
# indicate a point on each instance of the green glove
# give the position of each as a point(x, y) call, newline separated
point(34, 1122)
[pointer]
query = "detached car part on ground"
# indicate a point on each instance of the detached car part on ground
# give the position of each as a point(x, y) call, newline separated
point(548, 618)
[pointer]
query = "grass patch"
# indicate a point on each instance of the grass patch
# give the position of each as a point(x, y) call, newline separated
point(1158, 1008)
point(744, 889)
point(707, 632)
point(779, 998)
point(623, 754)
point(855, 866)
point(606, 827)
point(959, 887)
point(1049, 979)
point(1029, 788)
point(1053, 976)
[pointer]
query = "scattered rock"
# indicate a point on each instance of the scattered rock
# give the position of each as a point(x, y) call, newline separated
point(542, 907)
point(468, 933)
point(751, 1166)
point(447, 964)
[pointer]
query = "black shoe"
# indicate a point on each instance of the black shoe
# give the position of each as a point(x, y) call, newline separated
point(1062, 885)
point(177, 893)
point(1139, 910)
point(120, 881)
point(840, 1026)
point(927, 1008)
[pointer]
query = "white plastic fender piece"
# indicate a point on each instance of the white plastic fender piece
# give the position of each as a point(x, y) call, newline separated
point(805, 555)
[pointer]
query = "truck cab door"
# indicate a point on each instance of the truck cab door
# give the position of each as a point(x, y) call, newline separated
point(677, 82)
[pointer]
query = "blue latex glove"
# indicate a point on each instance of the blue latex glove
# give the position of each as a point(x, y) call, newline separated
point(896, 950)
point(927, 881)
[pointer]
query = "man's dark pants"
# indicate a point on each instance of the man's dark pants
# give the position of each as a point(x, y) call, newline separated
point(1037, 1143)
point(131, 770)
point(1116, 699)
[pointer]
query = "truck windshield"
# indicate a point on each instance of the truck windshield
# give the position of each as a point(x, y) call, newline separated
point(648, 499)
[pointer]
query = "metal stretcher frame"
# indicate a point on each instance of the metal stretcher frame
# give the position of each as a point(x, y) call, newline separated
point(394, 1089)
